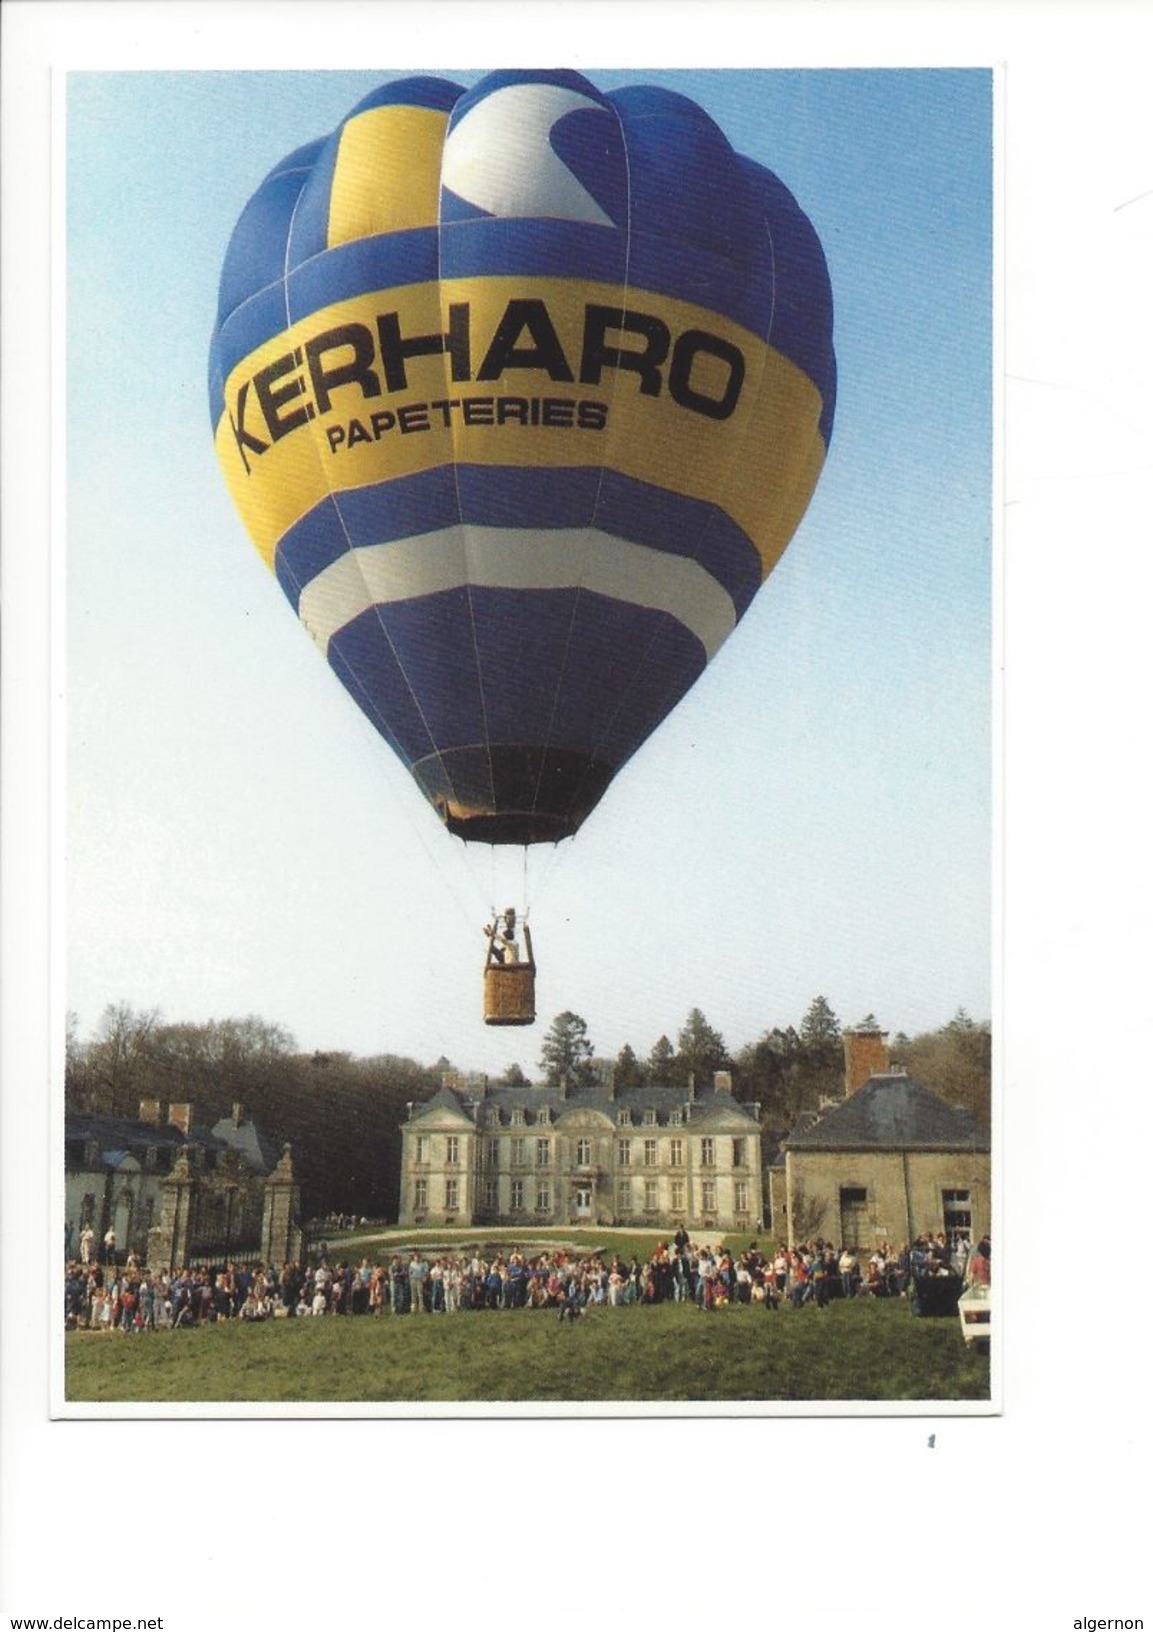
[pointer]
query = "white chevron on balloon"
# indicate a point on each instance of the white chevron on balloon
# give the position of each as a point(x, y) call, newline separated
point(500, 156)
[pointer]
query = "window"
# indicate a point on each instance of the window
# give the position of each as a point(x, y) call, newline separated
point(517, 1117)
point(584, 1152)
point(518, 1195)
point(452, 1150)
point(543, 1198)
point(420, 1195)
point(741, 1196)
point(624, 1152)
point(678, 1195)
point(650, 1195)
point(421, 1147)
point(708, 1196)
point(676, 1153)
point(492, 1152)
point(624, 1119)
point(676, 1118)
point(542, 1150)
point(491, 1195)
point(518, 1153)
point(650, 1153)
point(708, 1154)
point(545, 1116)
point(650, 1119)
point(957, 1207)
point(624, 1197)
point(854, 1215)
point(451, 1194)
point(738, 1153)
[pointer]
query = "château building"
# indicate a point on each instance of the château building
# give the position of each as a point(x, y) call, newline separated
point(652, 1157)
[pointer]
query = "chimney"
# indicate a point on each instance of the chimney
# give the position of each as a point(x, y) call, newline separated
point(180, 1116)
point(150, 1112)
point(692, 1087)
point(866, 1055)
point(722, 1082)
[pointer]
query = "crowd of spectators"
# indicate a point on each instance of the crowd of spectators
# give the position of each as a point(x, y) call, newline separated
point(133, 1298)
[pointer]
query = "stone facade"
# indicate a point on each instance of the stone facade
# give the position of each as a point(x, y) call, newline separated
point(863, 1198)
point(537, 1156)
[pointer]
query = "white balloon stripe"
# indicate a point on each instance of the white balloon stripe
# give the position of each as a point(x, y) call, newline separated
point(518, 559)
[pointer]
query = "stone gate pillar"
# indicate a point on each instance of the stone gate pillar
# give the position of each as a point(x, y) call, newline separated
point(168, 1240)
point(281, 1241)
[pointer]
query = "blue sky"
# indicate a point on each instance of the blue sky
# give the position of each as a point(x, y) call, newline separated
point(815, 818)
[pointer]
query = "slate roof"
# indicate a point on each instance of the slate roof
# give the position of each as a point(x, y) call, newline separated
point(890, 1112)
point(663, 1100)
point(117, 1135)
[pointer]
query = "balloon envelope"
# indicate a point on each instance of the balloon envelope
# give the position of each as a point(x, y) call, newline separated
point(521, 391)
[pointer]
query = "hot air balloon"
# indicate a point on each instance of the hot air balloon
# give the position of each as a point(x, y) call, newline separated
point(521, 391)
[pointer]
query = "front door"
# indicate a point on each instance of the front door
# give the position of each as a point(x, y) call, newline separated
point(583, 1200)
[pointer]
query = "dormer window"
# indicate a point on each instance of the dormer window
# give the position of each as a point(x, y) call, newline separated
point(545, 1116)
point(624, 1119)
point(676, 1118)
point(518, 1116)
point(650, 1119)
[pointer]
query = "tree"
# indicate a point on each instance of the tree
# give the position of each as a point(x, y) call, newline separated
point(821, 1064)
point(956, 1061)
point(514, 1077)
point(628, 1072)
point(79, 1085)
point(120, 1060)
point(567, 1054)
point(769, 1073)
point(701, 1051)
point(661, 1058)
point(820, 1028)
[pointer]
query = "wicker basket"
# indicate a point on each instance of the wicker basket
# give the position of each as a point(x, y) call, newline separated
point(509, 994)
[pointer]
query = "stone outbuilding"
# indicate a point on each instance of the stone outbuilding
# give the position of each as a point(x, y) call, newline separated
point(885, 1164)
point(176, 1192)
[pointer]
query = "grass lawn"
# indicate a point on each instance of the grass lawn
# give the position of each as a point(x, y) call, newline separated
point(674, 1352)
